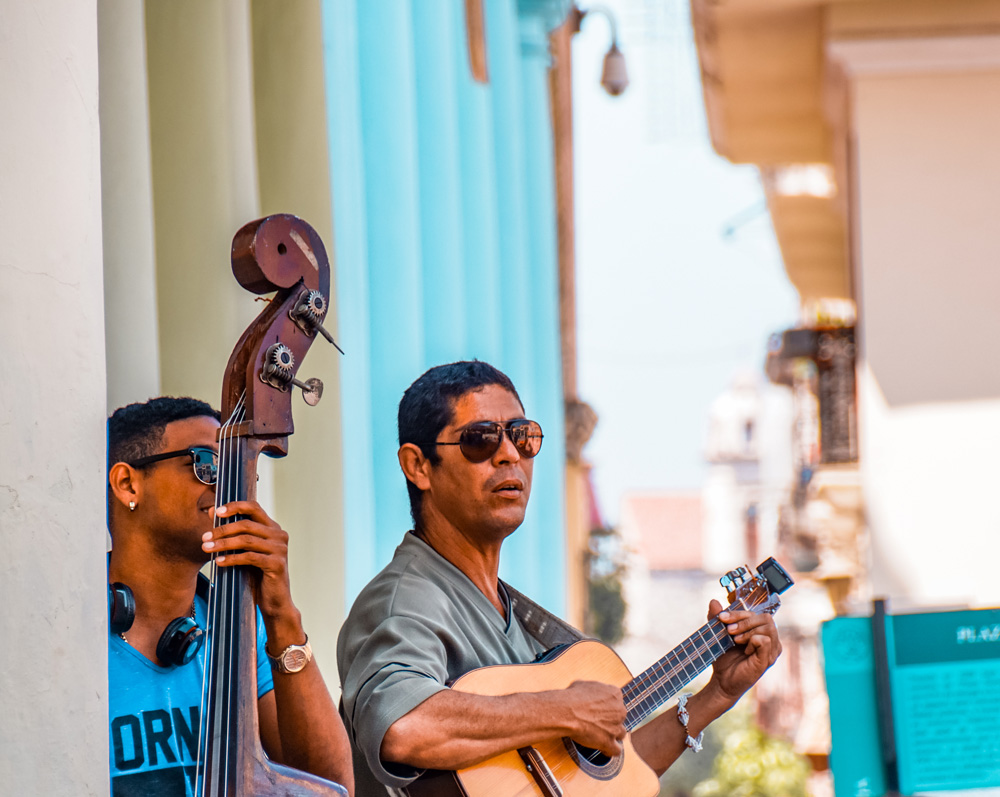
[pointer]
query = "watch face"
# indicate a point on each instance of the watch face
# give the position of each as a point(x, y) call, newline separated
point(295, 659)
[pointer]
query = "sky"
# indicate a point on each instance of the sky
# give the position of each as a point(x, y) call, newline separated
point(679, 277)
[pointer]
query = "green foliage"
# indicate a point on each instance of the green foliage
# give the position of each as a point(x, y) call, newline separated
point(606, 603)
point(607, 609)
point(753, 764)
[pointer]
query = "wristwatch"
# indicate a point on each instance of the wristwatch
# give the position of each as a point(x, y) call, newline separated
point(294, 658)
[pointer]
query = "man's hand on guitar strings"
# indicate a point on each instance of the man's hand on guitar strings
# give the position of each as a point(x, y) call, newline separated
point(757, 648)
point(598, 714)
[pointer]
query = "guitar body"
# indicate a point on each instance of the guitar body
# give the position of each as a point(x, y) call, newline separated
point(558, 767)
point(507, 773)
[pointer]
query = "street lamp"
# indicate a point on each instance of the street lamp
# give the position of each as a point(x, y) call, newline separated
point(614, 76)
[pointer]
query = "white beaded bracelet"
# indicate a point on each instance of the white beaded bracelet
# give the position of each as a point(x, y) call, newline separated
point(682, 718)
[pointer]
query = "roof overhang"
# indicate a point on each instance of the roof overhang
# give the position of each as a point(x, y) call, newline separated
point(764, 78)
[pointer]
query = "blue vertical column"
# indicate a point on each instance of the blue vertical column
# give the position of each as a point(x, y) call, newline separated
point(435, 40)
point(388, 124)
point(350, 262)
point(546, 543)
point(520, 563)
point(503, 49)
point(484, 331)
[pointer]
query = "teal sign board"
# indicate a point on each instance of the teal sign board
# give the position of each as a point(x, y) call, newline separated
point(944, 674)
point(849, 666)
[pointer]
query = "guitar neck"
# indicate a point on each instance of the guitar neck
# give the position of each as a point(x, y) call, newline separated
point(655, 686)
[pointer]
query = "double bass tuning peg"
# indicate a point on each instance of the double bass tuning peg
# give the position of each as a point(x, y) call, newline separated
point(278, 370)
point(312, 390)
point(309, 314)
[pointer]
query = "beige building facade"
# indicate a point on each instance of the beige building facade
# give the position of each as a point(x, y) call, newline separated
point(874, 125)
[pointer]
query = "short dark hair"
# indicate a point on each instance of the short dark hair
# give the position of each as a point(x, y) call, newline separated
point(136, 430)
point(428, 405)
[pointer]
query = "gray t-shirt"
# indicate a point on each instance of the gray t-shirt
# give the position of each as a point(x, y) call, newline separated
point(417, 626)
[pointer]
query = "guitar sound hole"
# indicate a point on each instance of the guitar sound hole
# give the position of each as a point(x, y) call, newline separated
point(593, 762)
point(595, 757)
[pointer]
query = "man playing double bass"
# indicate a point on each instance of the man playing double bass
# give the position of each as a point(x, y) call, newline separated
point(438, 610)
point(162, 471)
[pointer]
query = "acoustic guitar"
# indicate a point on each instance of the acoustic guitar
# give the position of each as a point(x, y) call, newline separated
point(561, 766)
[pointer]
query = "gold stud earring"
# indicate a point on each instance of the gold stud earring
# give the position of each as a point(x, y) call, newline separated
point(131, 506)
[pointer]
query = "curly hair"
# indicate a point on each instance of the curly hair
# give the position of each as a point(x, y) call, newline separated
point(136, 430)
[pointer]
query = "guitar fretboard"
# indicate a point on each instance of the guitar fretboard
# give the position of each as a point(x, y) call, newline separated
point(653, 687)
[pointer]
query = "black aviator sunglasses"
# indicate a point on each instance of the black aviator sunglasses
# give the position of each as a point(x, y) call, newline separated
point(205, 462)
point(479, 441)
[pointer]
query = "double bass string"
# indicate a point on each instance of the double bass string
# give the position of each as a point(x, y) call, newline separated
point(234, 460)
point(226, 483)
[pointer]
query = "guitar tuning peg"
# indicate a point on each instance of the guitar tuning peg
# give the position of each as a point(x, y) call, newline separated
point(309, 314)
point(734, 577)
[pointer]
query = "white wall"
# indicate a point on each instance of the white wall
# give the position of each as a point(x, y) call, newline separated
point(927, 166)
point(53, 660)
point(930, 474)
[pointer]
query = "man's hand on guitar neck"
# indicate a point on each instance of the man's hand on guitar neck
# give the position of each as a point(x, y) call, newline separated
point(661, 741)
point(757, 648)
point(453, 730)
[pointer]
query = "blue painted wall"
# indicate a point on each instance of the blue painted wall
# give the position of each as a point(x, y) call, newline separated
point(444, 245)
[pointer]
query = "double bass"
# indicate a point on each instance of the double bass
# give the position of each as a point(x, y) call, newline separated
point(283, 255)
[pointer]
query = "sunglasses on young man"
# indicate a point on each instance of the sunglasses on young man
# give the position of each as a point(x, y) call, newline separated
point(479, 441)
point(205, 462)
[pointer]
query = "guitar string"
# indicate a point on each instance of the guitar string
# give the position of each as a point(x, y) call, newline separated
point(643, 685)
point(653, 688)
point(680, 660)
point(718, 634)
point(223, 482)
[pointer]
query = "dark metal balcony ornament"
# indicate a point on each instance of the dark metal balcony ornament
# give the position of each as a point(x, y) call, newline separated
point(835, 358)
point(832, 349)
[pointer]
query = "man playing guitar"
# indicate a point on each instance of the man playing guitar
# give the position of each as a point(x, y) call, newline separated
point(438, 610)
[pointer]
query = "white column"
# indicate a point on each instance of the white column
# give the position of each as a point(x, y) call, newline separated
point(204, 184)
point(53, 660)
point(133, 351)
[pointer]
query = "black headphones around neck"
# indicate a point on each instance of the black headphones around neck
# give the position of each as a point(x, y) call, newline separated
point(181, 639)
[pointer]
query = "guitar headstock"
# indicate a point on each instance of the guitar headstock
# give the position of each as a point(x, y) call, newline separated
point(757, 593)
